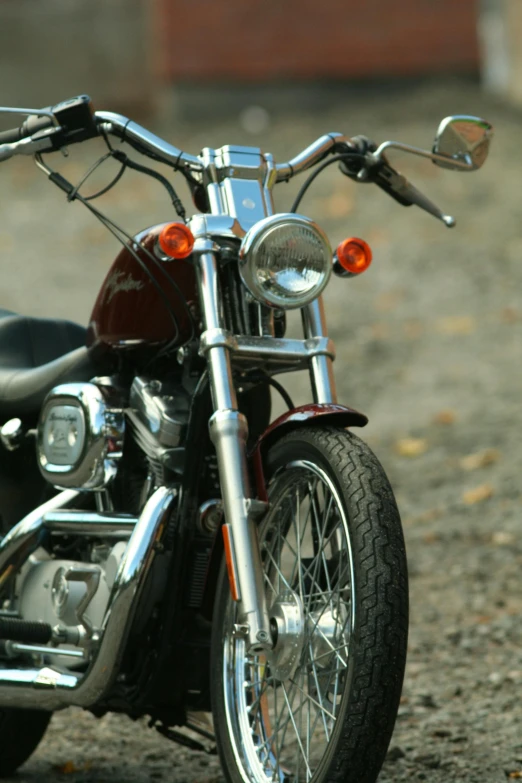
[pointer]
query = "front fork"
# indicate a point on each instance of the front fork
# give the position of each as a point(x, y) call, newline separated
point(228, 432)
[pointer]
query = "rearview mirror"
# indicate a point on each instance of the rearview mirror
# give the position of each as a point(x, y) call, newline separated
point(462, 140)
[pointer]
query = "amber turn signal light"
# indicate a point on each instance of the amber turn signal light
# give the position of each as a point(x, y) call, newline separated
point(176, 240)
point(352, 257)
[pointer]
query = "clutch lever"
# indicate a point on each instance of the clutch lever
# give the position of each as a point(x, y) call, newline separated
point(41, 141)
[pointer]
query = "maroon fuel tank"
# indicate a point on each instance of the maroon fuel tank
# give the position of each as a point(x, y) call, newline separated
point(131, 311)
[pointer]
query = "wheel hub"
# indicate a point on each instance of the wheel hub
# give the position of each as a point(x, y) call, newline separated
point(288, 631)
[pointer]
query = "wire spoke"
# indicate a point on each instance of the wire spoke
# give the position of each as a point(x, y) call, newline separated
point(311, 699)
point(296, 731)
point(286, 716)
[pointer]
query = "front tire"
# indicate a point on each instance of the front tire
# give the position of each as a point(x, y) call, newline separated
point(323, 704)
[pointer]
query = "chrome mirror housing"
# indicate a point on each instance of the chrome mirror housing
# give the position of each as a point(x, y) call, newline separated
point(462, 140)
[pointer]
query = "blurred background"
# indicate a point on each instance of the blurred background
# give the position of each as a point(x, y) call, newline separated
point(428, 340)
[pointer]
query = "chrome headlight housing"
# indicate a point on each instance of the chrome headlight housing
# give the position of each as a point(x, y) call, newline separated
point(285, 261)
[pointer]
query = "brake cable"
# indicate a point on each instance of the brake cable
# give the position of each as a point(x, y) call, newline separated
point(128, 243)
point(318, 170)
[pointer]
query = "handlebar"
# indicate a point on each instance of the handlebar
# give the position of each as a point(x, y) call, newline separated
point(310, 156)
point(87, 124)
point(74, 120)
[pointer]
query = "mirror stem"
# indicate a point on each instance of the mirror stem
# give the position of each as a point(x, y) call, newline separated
point(459, 163)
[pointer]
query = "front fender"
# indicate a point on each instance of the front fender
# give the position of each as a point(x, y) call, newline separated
point(313, 414)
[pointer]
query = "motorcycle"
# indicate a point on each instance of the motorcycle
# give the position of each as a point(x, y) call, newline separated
point(168, 550)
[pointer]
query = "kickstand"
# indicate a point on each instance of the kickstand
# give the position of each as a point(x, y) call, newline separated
point(183, 739)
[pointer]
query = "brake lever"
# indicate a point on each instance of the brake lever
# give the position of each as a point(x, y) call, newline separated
point(397, 186)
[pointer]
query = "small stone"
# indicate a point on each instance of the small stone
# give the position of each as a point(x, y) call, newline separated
point(496, 678)
point(395, 753)
point(442, 733)
point(427, 700)
point(430, 760)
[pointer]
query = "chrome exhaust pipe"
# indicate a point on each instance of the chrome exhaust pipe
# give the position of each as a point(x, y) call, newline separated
point(47, 688)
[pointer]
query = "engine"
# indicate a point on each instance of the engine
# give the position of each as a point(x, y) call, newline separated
point(158, 415)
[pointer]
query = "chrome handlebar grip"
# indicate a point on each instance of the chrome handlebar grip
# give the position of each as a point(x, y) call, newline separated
point(309, 156)
point(130, 131)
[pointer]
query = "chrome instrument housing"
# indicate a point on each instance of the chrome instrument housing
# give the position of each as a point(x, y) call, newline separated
point(263, 239)
point(80, 438)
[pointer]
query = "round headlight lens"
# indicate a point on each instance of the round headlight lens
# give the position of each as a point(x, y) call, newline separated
point(285, 261)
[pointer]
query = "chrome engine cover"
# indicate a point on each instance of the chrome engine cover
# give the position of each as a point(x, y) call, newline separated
point(80, 438)
point(46, 591)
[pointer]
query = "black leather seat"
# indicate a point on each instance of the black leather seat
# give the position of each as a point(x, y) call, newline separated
point(35, 355)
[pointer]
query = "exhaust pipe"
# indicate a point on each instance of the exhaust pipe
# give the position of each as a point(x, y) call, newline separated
point(47, 688)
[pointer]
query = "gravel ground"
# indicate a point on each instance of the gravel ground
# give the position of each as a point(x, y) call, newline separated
point(429, 343)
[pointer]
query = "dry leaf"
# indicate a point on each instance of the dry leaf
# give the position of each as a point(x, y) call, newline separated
point(339, 204)
point(446, 416)
point(377, 236)
point(502, 538)
point(456, 324)
point(510, 315)
point(480, 459)
point(380, 331)
point(517, 774)
point(6, 241)
point(388, 301)
point(478, 494)
point(413, 329)
point(411, 447)
point(67, 769)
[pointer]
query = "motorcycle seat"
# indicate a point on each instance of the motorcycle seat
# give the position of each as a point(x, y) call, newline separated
point(35, 355)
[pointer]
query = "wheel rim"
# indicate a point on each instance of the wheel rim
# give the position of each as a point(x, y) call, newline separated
point(282, 709)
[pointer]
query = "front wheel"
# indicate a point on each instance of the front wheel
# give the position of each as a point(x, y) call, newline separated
point(321, 705)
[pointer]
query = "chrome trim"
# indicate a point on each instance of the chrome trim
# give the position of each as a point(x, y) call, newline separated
point(222, 387)
point(274, 354)
point(12, 648)
point(28, 534)
point(29, 112)
point(229, 431)
point(309, 156)
point(235, 179)
point(219, 226)
point(321, 368)
point(378, 155)
point(89, 523)
point(49, 689)
point(129, 131)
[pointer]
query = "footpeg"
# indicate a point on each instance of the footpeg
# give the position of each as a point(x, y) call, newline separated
point(15, 630)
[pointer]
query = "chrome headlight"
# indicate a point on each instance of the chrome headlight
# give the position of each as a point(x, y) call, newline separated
point(285, 261)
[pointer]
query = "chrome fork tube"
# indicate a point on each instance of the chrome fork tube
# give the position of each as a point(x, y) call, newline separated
point(321, 366)
point(229, 431)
